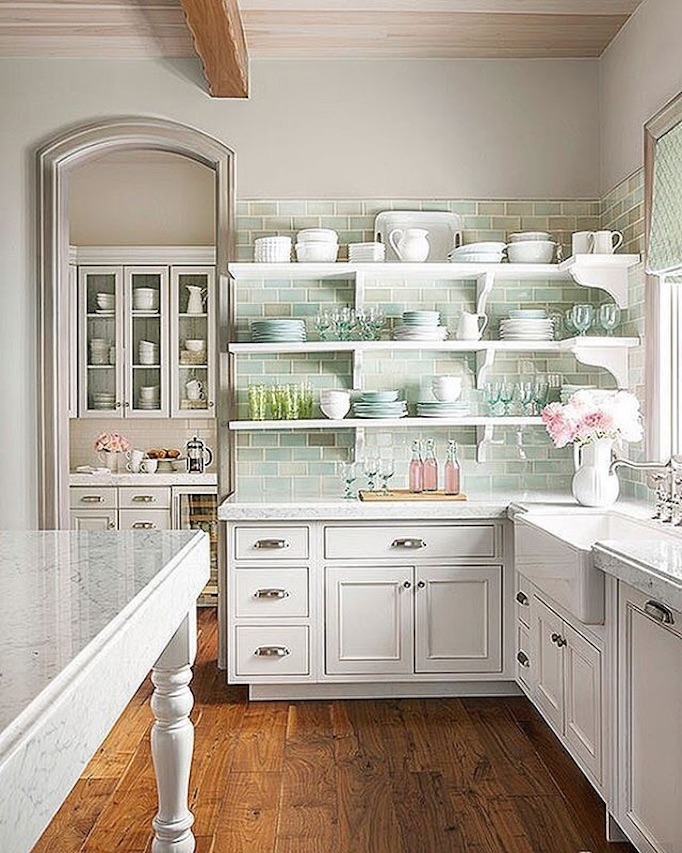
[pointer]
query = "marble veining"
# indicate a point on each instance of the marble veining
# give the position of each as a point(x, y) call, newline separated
point(653, 566)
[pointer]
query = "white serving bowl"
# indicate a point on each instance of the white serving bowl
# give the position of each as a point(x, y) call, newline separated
point(317, 252)
point(195, 345)
point(485, 246)
point(317, 235)
point(525, 236)
point(335, 411)
point(531, 252)
point(447, 389)
point(335, 395)
point(477, 258)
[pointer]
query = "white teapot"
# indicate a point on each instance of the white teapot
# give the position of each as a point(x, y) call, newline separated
point(411, 244)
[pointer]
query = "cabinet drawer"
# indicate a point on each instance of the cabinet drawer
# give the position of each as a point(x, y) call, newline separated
point(522, 599)
point(97, 497)
point(271, 593)
point(271, 543)
point(141, 497)
point(144, 519)
point(411, 542)
point(276, 650)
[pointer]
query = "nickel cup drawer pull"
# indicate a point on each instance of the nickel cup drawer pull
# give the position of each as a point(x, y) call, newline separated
point(271, 544)
point(143, 499)
point(523, 659)
point(408, 543)
point(143, 525)
point(92, 499)
point(272, 651)
point(522, 598)
point(659, 612)
point(271, 593)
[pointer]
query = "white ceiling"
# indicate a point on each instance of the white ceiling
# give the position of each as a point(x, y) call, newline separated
point(320, 28)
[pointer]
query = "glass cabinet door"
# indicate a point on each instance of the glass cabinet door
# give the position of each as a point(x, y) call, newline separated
point(192, 342)
point(100, 341)
point(146, 342)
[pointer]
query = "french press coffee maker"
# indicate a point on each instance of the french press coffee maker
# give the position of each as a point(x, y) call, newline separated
point(198, 456)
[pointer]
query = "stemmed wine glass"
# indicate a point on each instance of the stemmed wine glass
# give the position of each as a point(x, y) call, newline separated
point(492, 394)
point(609, 317)
point(582, 317)
point(349, 472)
point(540, 394)
point(386, 470)
point(506, 395)
point(525, 392)
point(370, 466)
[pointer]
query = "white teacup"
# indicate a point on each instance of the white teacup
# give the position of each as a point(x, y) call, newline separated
point(447, 389)
point(194, 389)
point(582, 243)
point(606, 242)
point(149, 466)
point(135, 457)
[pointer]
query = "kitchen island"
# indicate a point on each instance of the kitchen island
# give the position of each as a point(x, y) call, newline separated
point(83, 618)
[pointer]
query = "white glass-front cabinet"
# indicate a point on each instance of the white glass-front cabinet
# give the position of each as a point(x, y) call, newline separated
point(146, 340)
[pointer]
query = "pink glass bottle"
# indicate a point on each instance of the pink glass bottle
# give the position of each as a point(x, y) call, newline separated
point(452, 470)
point(430, 467)
point(416, 470)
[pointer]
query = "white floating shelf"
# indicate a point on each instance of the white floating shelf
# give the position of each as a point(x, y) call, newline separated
point(383, 423)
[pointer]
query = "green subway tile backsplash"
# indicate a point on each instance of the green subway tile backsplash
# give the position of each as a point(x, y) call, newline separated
point(300, 465)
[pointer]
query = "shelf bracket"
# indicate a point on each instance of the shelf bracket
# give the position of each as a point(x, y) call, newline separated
point(484, 287)
point(607, 272)
point(613, 359)
point(359, 447)
point(359, 290)
point(484, 440)
point(485, 359)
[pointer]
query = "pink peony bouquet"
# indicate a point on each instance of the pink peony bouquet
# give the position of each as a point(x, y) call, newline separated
point(588, 416)
point(112, 442)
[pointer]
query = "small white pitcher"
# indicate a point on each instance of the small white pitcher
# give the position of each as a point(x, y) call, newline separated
point(411, 244)
point(469, 328)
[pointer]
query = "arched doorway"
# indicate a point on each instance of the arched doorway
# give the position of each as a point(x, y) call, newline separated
point(55, 162)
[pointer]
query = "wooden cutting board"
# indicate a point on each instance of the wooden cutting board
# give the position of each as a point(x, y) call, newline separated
point(406, 495)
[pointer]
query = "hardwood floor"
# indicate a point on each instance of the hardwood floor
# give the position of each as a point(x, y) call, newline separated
point(390, 776)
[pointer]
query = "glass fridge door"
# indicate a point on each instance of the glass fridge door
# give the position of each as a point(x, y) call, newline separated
point(200, 512)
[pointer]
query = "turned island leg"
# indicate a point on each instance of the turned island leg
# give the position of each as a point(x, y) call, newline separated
point(173, 740)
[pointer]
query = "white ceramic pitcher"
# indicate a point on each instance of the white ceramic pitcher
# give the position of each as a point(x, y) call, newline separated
point(195, 303)
point(469, 327)
point(410, 244)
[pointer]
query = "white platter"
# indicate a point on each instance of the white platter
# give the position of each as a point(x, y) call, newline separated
point(445, 230)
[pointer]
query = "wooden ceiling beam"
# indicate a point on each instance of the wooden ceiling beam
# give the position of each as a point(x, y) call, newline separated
point(218, 36)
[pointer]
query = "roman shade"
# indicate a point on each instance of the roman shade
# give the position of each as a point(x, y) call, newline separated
point(665, 236)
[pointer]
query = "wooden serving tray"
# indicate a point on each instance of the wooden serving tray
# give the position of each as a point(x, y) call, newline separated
point(407, 495)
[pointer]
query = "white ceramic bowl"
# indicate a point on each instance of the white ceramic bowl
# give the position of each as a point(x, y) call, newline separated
point(531, 252)
point(447, 389)
point(524, 236)
point(528, 314)
point(335, 411)
point(272, 250)
point(475, 248)
point(317, 235)
point(317, 252)
point(195, 345)
point(477, 258)
point(335, 395)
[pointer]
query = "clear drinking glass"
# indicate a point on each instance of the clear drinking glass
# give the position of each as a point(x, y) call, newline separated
point(386, 470)
point(491, 390)
point(370, 465)
point(349, 473)
point(506, 396)
point(582, 317)
point(525, 394)
point(609, 317)
point(540, 393)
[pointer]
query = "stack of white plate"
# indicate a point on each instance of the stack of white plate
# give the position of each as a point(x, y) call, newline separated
point(379, 404)
point(99, 351)
point(272, 250)
point(437, 409)
point(148, 352)
point(420, 326)
point(101, 400)
point(366, 253)
point(488, 252)
point(527, 324)
point(277, 331)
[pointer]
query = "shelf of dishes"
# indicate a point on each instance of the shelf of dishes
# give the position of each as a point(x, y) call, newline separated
point(384, 423)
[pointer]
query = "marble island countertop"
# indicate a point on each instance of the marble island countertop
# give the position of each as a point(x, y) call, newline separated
point(170, 478)
point(653, 566)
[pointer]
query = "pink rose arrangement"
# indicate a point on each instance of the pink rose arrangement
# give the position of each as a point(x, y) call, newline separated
point(588, 416)
point(111, 442)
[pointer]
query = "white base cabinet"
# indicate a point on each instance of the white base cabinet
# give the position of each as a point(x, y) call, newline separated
point(379, 602)
point(649, 765)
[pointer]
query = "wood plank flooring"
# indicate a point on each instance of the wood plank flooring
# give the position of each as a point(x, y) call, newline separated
point(390, 776)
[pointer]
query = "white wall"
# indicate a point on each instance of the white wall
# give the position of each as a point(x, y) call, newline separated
point(310, 130)
point(639, 73)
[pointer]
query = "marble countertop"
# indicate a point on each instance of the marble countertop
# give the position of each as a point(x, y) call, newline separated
point(59, 590)
point(156, 479)
point(653, 566)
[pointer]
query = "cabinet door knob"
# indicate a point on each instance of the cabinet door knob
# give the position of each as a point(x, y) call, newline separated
point(522, 598)
point(144, 499)
point(559, 640)
point(271, 593)
point(272, 651)
point(408, 543)
point(271, 544)
point(92, 499)
point(523, 659)
point(659, 612)
point(144, 525)
point(407, 585)
point(112, 525)
point(421, 584)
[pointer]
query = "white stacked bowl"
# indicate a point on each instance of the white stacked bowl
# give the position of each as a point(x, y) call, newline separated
point(317, 246)
point(335, 403)
point(145, 299)
point(272, 250)
point(195, 344)
point(526, 236)
point(486, 252)
point(99, 351)
point(148, 352)
point(106, 301)
point(531, 252)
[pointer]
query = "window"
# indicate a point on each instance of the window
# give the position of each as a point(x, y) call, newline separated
point(663, 217)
